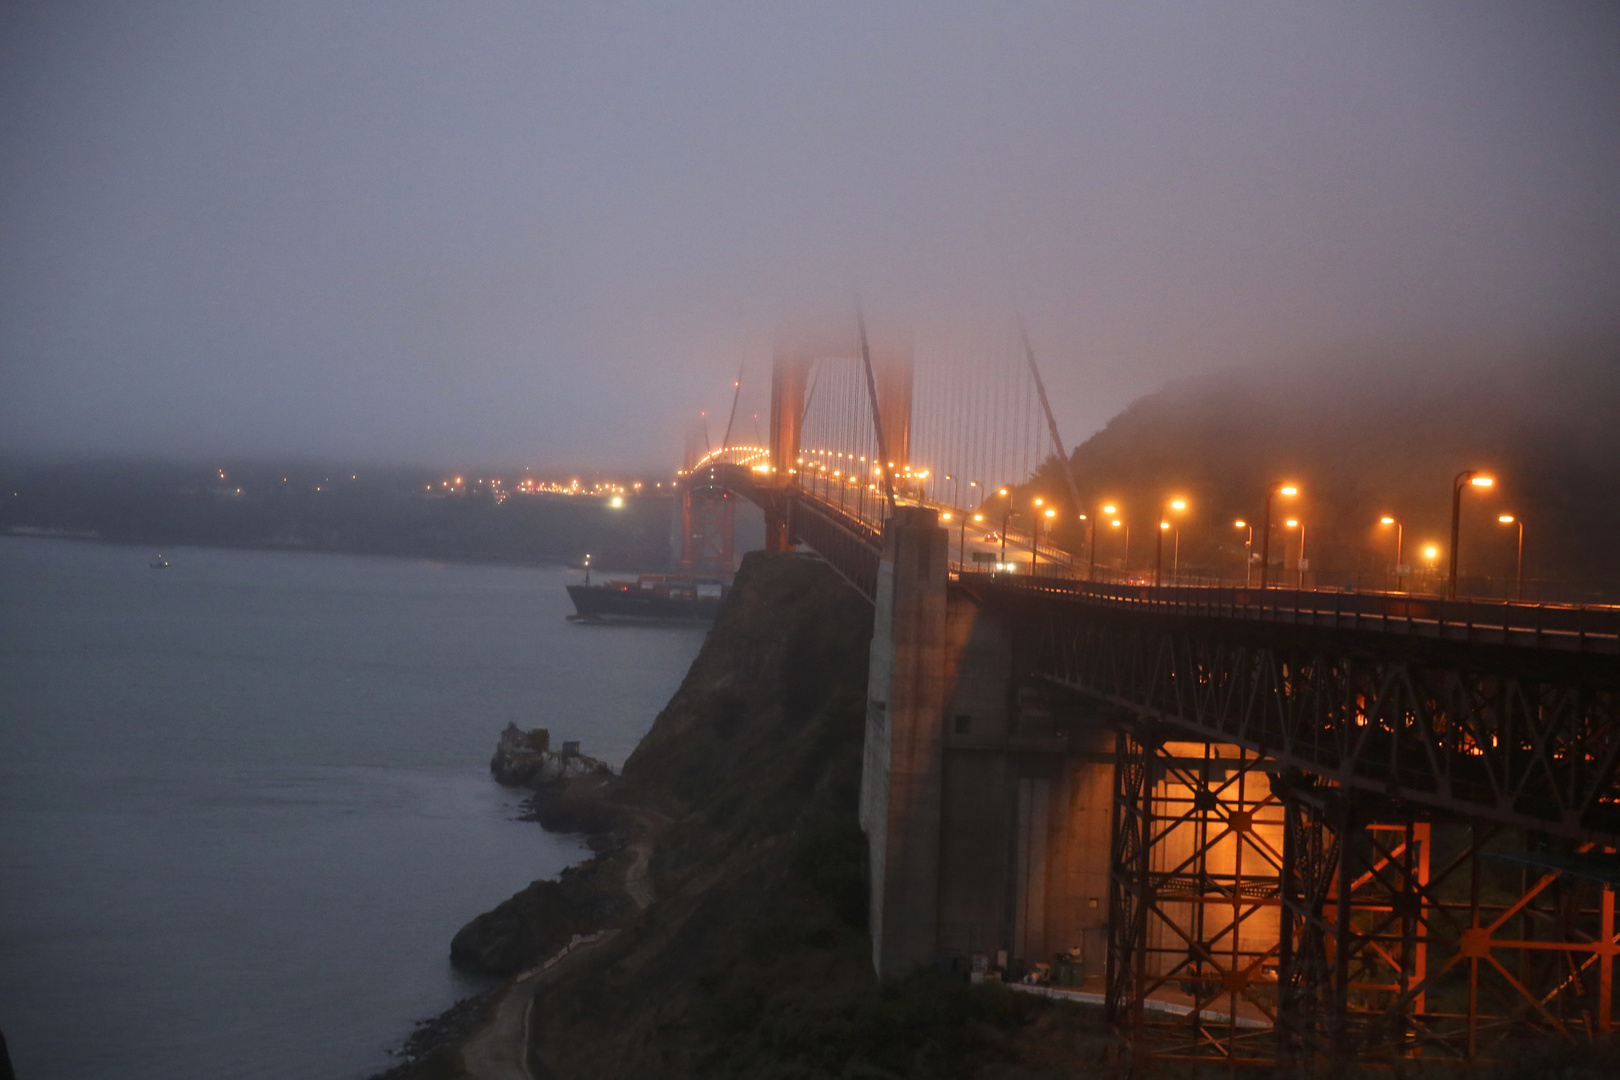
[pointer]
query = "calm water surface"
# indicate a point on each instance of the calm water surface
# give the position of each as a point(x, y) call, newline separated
point(244, 801)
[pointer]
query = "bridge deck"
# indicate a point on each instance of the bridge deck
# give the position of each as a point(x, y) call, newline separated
point(851, 542)
point(1586, 629)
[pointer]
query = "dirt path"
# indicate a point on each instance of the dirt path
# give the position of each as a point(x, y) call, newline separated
point(500, 1051)
point(637, 881)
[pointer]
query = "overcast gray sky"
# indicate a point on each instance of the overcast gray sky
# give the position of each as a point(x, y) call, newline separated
point(529, 233)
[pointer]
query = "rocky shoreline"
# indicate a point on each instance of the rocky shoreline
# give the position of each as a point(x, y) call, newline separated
point(725, 904)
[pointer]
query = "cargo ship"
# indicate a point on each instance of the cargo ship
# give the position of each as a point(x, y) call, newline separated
point(650, 596)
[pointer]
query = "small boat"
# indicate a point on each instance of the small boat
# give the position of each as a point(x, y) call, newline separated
point(159, 563)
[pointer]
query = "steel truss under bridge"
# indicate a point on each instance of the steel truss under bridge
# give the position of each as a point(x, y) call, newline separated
point(1333, 845)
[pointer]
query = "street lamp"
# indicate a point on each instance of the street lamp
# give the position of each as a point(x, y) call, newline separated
point(1265, 529)
point(1248, 550)
point(1035, 535)
point(1091, 569)
point(1005, 517)
point(961, 542)
point(1302, 562)
point(1178, 505)
point(1158, 551)
point(1467, 476)
point(1518, 574)
point(1400, 530)
point(1125, 562)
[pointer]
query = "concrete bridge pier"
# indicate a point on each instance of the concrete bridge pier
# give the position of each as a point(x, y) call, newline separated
point(985, 795)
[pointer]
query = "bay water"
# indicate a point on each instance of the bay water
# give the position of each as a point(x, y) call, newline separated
point(245, 800)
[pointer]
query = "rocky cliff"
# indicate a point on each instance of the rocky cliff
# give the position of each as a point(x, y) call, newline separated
point(730, 880)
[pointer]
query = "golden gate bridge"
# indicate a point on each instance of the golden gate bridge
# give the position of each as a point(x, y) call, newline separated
point(1341, 825)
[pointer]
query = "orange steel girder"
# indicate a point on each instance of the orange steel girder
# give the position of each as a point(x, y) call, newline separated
point(1193, 901)
point(1419, 960)
point(708, 528)
point(795, 355)
point(1393, 934)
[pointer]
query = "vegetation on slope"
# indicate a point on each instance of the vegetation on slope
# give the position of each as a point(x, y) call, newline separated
point(1367, 435)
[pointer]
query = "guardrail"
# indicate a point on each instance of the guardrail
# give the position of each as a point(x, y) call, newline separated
point(1566, 627)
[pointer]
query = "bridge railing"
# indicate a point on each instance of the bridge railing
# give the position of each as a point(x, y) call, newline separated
point(1580, 628)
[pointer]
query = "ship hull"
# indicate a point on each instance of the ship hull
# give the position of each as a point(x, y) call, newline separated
point(601, 602)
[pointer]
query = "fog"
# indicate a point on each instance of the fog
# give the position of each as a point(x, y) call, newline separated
point(532, 234)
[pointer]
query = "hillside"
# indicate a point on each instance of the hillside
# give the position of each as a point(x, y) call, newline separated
point(734, 824)
point(1370, 434)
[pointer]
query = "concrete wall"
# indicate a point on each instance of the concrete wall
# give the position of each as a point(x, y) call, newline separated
point(986, 800)
point(900, 782)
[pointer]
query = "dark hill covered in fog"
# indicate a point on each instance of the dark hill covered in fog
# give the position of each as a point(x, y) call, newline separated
point(1366, 435)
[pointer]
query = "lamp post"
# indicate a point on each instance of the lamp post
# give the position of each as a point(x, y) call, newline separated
point(1265, 529)
point(587, 568)
point(1179, 506)
point(1035, 536)
point(1005, 517)
point(1301, 563)
point(1468, 476)
point(1518, 573)
point(1248, 551)
point(1400, 530)
point(1091, 569)
point(1035, 540)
